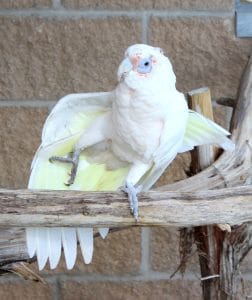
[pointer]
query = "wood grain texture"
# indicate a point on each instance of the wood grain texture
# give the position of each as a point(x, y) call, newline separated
point(24, 208)
point(206, 238)
point(229, 248)
point(200, 101)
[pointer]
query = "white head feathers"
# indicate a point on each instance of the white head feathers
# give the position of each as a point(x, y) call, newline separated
point(145, 64)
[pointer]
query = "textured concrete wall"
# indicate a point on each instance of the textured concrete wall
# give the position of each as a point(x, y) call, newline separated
point(51, 48)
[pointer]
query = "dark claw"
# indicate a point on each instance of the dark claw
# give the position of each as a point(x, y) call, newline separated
point(60, 159)
point(73, 159)
point(51, 159)
point(72, 174)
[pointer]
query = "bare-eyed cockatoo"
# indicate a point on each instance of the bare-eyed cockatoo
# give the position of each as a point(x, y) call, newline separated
point(124, 138)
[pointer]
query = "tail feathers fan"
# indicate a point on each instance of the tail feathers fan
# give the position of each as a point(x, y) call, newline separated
point(70, 118)
point(85, 236)
point(103, 232)
point(54, 243)
point(30, 241)
point(69, 242)
point(47, 243)
point(42, 249)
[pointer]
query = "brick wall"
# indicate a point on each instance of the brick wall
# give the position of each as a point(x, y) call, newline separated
point(51, 48)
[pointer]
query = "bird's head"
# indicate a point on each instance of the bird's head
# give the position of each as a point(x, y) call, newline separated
point(145, 64)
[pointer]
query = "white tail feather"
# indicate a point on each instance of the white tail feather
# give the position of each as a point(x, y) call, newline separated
point(103, 232)
point(54, 243)
point(85, 236)
point(31, 241)
point(42, 246)
point(69, 242)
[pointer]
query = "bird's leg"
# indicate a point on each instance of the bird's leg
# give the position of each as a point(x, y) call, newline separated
point(95, 133)
point(132, 197)
point(137, 170)
point(73, 158)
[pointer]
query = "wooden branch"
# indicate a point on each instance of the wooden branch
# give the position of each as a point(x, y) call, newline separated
point(12, 246)
point(232, 169)
point(206, 238)
point(200, 101)
point(25, 208)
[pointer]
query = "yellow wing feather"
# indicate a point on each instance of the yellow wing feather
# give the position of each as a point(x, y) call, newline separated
point(90, 176)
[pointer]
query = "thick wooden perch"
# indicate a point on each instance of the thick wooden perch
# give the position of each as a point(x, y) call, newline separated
point(24, 208)
point(221, 253)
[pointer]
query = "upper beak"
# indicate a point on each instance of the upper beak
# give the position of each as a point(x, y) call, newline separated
point(124, 68)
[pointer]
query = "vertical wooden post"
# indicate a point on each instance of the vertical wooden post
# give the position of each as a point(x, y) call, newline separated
point(200, 101)
point(207, 238)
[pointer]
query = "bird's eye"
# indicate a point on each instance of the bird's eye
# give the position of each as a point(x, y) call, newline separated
point(145, 65)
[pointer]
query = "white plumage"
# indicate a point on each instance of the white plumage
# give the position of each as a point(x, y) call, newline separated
point(124, 137)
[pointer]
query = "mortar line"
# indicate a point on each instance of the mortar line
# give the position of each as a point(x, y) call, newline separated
point(56, 290)
point(189, 13)
point(152, 276)
point(11, 278)
point(28, 103)
point(145, 22)
point(145, 250)
point(56, 4)
point(63, 13)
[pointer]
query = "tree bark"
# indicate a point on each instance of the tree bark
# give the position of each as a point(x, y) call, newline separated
point(206, 237)
point(222, 252)
point(27, 208)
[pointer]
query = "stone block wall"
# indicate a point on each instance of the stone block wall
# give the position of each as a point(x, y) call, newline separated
point(50, 48)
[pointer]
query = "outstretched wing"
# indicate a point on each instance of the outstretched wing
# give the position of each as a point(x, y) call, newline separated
point(72, 113)
point(201, 131)
point(71, 116)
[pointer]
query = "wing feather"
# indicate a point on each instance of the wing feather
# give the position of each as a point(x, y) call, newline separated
point(200, 131)
point(69, 115)
point(67, 121)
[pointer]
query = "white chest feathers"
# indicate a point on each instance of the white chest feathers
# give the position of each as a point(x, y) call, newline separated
point(138, 122)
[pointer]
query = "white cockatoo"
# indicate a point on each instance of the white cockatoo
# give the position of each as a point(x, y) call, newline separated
point(124, 138)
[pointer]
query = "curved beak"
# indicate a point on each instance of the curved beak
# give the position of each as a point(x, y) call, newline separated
point(124, 68)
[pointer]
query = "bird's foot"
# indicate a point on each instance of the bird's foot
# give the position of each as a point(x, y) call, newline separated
point(132, 197)
point(73, 158)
